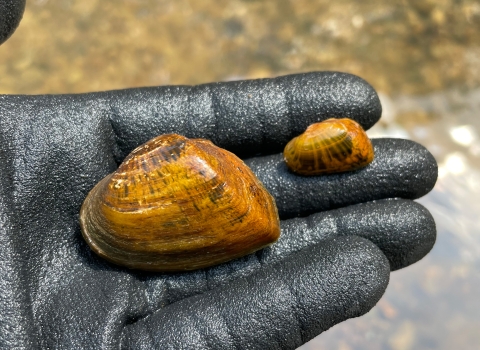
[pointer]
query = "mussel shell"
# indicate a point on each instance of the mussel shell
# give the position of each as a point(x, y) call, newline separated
point(178, 204)
point(331, 146)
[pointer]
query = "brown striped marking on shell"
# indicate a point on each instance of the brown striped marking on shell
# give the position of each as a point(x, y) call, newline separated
point(331, 146)
point(178, 204)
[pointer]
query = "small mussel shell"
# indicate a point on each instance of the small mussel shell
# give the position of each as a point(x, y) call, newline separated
point(178, 204)
point(331, 146)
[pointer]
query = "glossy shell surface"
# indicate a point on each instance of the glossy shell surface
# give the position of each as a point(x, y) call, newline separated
point(178, 204)
point(331, 146)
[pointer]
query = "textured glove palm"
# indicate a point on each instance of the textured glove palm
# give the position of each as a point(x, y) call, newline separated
point(324, 269)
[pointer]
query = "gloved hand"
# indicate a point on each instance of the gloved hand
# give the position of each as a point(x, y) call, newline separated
point(326, 267)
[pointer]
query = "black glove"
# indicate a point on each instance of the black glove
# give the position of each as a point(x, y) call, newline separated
point(56, 293)
point(11, 12)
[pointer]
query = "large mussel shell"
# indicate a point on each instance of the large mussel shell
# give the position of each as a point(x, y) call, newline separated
point(178, 204)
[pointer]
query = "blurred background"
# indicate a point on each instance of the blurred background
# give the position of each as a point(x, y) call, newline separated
point(423, 57)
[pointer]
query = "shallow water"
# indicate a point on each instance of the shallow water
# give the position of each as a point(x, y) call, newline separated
point(422, 56)
point(434, 303)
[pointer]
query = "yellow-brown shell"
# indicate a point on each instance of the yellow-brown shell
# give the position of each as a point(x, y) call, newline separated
point(331, 146)
point(178, 204)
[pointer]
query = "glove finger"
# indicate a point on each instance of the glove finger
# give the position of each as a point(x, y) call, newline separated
point(246, 117)
point(401, 168)
point(403, 229)
point(279, 307)
point(11, 12)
